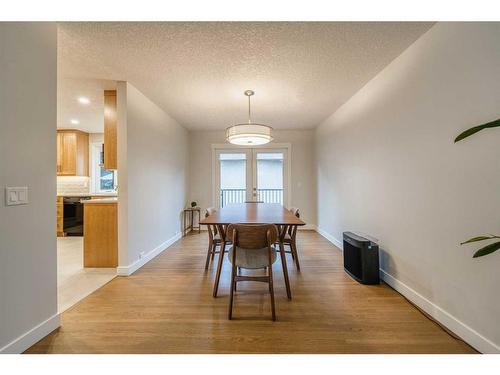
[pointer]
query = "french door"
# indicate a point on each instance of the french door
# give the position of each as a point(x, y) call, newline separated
point(251, 175)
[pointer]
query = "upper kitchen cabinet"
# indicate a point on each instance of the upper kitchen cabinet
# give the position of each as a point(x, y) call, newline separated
point(110, 127)
point(72, 153)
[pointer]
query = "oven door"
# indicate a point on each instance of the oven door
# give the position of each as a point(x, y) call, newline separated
point(73, 216)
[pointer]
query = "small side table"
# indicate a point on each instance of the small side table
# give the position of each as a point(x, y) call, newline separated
point(188, 218)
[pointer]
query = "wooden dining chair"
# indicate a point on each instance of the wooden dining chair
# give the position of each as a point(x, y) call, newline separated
point(214, 238)
point(290, 239)
point(252, 248)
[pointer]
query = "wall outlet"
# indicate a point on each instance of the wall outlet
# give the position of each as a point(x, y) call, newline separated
point(16, 195)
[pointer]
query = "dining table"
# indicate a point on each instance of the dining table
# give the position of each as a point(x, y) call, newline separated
point(253, 213)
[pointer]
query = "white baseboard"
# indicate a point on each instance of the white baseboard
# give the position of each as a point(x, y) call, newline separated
point(330, 238)
point(130, 269)
point(459, 328)
point(31, 337)
point(307, 227)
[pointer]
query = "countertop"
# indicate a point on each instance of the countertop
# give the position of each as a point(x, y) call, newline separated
point(104, 195)
point(100, 200)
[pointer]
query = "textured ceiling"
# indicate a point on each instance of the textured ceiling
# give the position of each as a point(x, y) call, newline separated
point(91, 115)
point(197, 71)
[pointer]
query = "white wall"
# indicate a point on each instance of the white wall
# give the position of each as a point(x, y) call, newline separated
point(387, 167)
point(303, 182)
point(28, 285)
point(152, 177)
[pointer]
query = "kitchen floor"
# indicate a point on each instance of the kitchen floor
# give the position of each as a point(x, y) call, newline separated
point(73, 281)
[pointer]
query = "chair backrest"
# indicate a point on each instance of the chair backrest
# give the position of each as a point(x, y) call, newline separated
point(292, 231)
point(295, 211)
point(212, 229)
point(210, 211)
point(252, 236)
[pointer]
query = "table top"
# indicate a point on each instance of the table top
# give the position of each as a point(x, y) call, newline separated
point(252, 213)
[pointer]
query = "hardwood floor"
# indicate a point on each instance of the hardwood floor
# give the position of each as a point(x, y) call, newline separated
point(167, 307)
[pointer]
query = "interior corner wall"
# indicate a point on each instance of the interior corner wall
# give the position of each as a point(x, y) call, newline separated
point(152, 178)
point(303, 179)
point(387, 167)
point(28, 118)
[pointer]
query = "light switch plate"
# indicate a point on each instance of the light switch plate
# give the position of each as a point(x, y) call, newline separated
point(16, 195)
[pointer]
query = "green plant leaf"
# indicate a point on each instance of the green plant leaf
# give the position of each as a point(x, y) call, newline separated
point(479, 238)
point(492, 247)
point(475, 129)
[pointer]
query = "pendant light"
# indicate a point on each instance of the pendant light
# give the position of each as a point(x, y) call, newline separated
point(249, 134)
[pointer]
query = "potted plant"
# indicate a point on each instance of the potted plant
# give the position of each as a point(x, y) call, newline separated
point(492, 247)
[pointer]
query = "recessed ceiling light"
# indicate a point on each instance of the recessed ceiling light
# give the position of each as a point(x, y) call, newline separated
point(74, 121)
point(83, 100)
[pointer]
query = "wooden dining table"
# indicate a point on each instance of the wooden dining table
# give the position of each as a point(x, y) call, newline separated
point(253, 213)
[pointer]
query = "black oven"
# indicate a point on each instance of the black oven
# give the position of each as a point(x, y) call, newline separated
point(73, 216)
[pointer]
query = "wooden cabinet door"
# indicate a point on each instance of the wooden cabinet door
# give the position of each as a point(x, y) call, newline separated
point(110, 130)
point(67, 166)
point(59, 153)
point(60, 217)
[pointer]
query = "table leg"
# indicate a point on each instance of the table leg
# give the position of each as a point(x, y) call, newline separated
point(199, 219)
point(283, 262)
point(221, 258)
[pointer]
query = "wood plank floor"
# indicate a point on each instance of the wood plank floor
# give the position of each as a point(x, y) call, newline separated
point(167, 307)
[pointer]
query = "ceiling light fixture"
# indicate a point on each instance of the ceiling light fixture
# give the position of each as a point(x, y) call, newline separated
point(74, 121)
point(83, 100)
point(249, 134)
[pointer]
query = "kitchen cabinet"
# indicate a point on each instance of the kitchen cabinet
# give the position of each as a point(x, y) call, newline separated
point(72, 153)
point(60, 217)
point(110, 130)
point(100, 233)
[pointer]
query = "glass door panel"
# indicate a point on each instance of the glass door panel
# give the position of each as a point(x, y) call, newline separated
point(232, 177)
point(269, 176)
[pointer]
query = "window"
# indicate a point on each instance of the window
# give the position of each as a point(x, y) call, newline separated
point(103, 180)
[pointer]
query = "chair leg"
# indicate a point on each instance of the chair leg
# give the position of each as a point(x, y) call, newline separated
point(214, 247)
point(285, 270)
point(271, 292)
point(293, 245)
point(219, 268)
point(209, 254)
point(233, 287)
point(292, 252)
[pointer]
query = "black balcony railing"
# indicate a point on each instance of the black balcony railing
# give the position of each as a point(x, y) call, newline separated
point(231, 196)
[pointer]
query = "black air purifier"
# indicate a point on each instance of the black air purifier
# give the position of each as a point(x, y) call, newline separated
point(361, 258)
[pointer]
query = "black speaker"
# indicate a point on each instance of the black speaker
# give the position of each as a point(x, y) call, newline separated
point(361, 258)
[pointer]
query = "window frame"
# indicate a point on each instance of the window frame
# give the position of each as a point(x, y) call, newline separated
point(95, 149)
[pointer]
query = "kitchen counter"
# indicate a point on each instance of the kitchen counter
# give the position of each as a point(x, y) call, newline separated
point(104, 195)
point(100, 200)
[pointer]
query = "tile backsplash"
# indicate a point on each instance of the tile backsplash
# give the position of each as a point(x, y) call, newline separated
point(73, 185)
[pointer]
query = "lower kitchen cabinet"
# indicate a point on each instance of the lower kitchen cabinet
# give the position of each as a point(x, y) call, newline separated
point(100, 234)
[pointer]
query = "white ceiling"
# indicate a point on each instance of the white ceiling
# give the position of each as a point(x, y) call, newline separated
point(197, 71)
point(91, 115)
